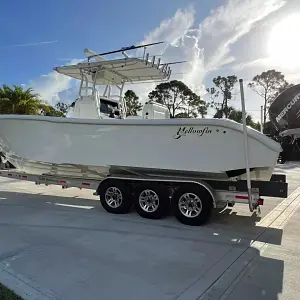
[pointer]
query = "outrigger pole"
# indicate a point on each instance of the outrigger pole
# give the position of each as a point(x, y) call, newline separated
point(174, 62)
point(124, 49)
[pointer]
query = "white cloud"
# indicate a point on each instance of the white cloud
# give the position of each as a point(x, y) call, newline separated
point(49, 86)
point(29, 44)
point(172, 30)
point(257, 63)
point(293, 77)
point(227, 24)
point(206, 46)
point(290, 71)
point(54, 87)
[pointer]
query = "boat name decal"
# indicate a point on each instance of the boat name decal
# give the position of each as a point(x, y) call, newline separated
point(184, 131)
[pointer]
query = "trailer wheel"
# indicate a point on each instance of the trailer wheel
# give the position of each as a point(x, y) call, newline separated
point(192, 204)
point(151, 200)
point(115, 196)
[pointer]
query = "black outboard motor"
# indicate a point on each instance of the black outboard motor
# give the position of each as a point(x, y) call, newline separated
point(284, 113)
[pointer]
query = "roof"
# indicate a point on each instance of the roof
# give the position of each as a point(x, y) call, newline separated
point(117, 71)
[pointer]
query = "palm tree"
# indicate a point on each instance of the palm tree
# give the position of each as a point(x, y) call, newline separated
point(17, 100)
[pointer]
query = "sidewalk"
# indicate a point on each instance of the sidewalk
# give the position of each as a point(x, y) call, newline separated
point(269, 271)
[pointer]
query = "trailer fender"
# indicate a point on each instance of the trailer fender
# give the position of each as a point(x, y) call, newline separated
point(209, 189)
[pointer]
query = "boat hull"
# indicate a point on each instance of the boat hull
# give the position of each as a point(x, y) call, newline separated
point(95, 148)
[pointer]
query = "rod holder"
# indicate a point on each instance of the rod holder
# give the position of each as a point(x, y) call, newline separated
point(158, 63)
point(147, 57)
point(169, 72)
point(165, 67)
point(153, 60)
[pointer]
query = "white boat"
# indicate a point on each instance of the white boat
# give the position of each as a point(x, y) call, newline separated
point(99, 140)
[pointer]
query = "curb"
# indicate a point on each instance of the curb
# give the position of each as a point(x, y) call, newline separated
point(23, 286)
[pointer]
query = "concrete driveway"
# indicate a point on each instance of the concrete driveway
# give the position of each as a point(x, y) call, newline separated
point(61, 244)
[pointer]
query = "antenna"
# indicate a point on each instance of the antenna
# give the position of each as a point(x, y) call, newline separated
point(174, 62)
point(124, 49)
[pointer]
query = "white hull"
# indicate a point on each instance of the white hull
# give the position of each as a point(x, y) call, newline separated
point(94, 148)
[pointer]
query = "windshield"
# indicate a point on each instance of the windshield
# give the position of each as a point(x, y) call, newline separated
point(106, 106)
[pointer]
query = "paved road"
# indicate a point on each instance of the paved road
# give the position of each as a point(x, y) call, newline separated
point(61, 244)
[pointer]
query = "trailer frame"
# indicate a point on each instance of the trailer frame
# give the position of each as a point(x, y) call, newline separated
point(218, 193)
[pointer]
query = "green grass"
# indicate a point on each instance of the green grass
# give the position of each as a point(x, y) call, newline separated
point(7, 294)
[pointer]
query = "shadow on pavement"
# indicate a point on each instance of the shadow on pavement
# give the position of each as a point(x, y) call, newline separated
point(262, 280)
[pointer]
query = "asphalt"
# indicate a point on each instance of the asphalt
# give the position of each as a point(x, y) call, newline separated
point(61, 244)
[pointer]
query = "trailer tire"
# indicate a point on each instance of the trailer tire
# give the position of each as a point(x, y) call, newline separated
point(151, 200)
point(192, 204)
point(115, 196)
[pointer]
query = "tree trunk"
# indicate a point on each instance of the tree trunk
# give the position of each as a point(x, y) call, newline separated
point(226, 109)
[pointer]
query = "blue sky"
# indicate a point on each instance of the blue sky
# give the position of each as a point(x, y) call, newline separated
point(73, 25)
point(217, 37)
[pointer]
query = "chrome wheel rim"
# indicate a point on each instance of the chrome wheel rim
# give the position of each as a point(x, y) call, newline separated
point(148, 201)
point(190, 205)
point(113, 197)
